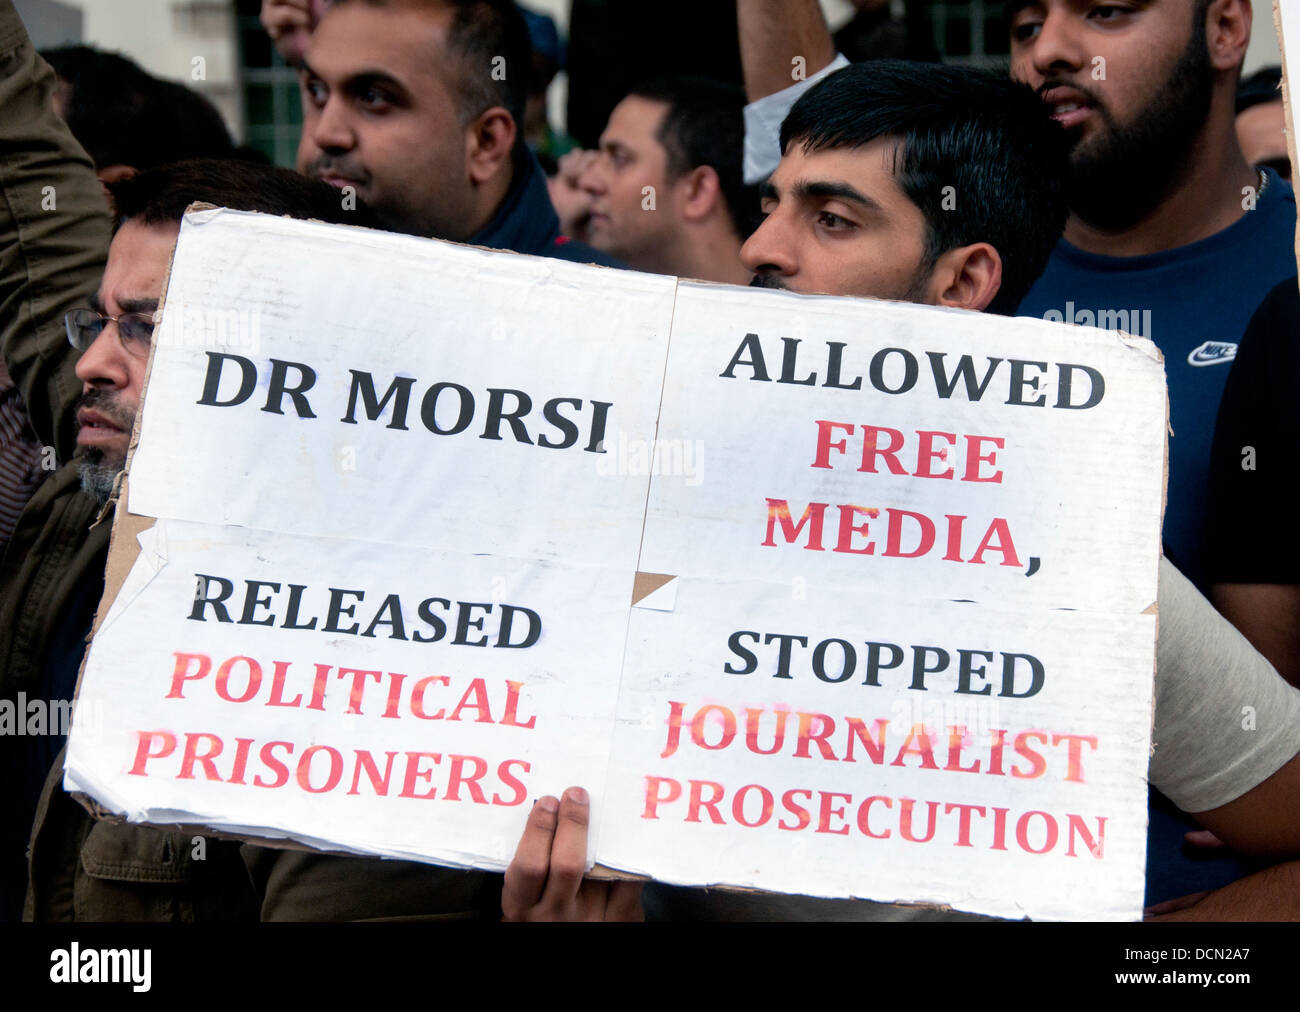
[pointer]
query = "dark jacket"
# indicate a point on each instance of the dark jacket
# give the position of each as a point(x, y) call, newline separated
point(527, 223)
point(51, 260)
point(54, 233)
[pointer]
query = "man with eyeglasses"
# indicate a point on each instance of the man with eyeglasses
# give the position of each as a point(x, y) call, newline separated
point(52, 575)
point(115, 372)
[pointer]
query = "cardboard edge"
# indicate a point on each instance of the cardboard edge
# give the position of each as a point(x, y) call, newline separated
point(1287, 111)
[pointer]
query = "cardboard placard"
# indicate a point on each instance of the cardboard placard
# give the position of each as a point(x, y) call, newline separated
point(438, 530)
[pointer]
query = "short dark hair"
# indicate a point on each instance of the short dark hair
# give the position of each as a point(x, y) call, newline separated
point(161, 195)
point(480, 32)
point(988, 138)
point(122, 115)
point(705, 125)
point(1260, 87)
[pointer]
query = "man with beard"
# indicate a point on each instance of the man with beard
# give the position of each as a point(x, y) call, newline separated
point(52, 574)
point(1172, 235)
point(853, 208)
point(414, 107)
point(1167, 219)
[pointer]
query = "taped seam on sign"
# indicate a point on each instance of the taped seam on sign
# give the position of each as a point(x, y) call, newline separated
point(656, 591)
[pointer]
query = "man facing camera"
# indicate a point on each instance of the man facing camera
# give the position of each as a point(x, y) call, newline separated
point(414, 106)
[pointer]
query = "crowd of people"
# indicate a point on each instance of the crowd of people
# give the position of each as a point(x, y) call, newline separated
point(1122, 175)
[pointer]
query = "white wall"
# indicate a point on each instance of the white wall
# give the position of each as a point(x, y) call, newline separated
point(166, 37)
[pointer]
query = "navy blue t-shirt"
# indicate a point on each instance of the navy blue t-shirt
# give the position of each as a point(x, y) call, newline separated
point(1194, 302)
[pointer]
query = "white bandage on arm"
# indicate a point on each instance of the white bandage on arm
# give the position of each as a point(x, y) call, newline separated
point(1225, 719)
point(763, 123)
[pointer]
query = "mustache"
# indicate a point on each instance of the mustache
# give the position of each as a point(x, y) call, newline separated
point(768, 281)
point(108, 403)
point(329, 165)
point(1058, 82)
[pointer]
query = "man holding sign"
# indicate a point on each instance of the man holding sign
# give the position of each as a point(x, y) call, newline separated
point(852, 147)
point(840, 209)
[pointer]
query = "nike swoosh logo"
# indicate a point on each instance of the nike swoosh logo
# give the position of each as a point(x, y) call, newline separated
point(1212, 353)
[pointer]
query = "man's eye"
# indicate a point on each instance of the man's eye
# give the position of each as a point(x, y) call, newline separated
point(832, 221)
point(375, 98)
point(1108, 12)
point(1025, 27)
point(315, 91)
point(1025, 31)
point(136, 327)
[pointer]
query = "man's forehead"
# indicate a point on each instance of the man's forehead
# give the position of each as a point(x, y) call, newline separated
point(137, 266)
point(635, 120)
point(403, 42)
point(870, 168)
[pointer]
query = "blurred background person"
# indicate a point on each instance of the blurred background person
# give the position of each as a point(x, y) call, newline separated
point(1261, 121)
point(664, 188)
point(129, 120)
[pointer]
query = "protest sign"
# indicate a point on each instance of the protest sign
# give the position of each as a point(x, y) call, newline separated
point(814, 595)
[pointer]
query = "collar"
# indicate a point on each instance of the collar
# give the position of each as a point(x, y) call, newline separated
point(525, 222)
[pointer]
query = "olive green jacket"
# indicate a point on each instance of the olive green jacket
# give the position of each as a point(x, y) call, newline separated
point(54, 236)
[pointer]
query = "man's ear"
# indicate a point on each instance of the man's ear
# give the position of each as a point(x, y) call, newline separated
point(489, 140)
point(1227, 33)
point(967, 277)
point(116, 172)
point(700, 191)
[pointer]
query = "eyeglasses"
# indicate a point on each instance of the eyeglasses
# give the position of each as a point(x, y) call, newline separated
point(134, 330)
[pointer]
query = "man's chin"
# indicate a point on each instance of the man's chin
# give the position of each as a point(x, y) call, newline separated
point(98, 471)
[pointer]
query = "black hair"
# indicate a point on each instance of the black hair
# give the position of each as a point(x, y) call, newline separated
point(483, 31)
point(1260, 87)
point(489, 39)
point(161, 195)
point(978, 153)
point(705, 125)
point(122, 115)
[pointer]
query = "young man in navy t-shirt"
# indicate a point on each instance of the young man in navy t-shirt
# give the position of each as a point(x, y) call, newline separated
point(1172, 235)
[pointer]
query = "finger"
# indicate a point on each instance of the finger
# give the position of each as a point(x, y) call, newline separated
point(624, 902)
point(284, 21)
point(574, 164)
point(526, 876)
point(278, 11)
point(568, 852)
point(1174, 905)
point(1203, 838)
point(592, 899)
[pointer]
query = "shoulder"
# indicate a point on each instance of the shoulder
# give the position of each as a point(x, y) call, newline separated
point(564, 248)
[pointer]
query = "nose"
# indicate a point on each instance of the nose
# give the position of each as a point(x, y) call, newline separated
point(105, 363)
point(331, 126)
point(770, 250)
point(1057, 47)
